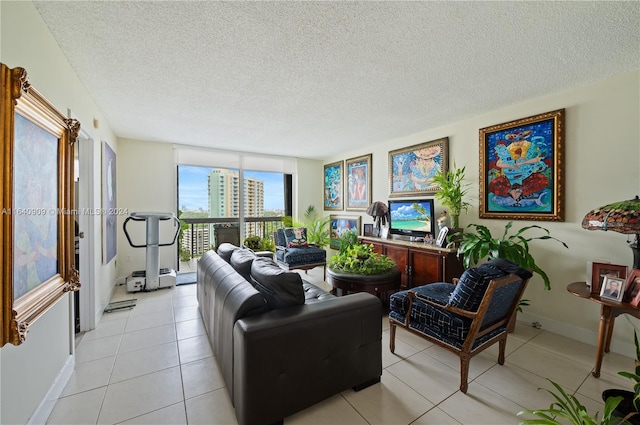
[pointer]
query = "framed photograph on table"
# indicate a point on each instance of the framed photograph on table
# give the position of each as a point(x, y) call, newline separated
point(333, 186)
point(358, 178)
point(38, 255)
point(522, 168)
point(632, 288)
point(602, 270)
point(411, 169)
point(339, 225)
point(442, 236)
point(612, 288)
point(367, 229)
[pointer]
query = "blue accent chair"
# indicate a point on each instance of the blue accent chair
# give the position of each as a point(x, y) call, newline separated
point(464, 317)
point(301, 258)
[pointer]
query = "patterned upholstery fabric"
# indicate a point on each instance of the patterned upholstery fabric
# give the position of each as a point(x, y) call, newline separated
point(467, 294)
point(292, 257)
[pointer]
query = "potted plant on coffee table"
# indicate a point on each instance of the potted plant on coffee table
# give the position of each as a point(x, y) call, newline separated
point(356, 267)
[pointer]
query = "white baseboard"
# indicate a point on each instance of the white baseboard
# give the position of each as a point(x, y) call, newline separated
point(44, 409)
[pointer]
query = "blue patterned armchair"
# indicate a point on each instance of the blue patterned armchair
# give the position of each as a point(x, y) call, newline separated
point(466, 316)
point(293, 251)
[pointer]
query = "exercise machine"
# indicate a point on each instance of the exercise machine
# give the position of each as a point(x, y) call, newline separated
point(153, 277)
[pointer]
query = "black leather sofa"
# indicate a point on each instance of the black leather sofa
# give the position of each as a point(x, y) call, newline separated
point(280, 353)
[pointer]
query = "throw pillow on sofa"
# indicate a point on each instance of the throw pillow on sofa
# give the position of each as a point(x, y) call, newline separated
point(241, 260)
point(279, 287)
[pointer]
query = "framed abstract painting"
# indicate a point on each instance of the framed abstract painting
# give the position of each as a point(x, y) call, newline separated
point(38, 258)
point(522, 168)
point(411, 169)
point(333, 186)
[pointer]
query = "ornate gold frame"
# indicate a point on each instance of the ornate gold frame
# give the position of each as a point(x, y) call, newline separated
point(519, 182)
point(17, 313)
point(407, 173)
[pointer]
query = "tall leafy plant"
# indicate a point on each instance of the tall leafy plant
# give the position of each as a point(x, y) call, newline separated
point(452, 192)
point(480, 245)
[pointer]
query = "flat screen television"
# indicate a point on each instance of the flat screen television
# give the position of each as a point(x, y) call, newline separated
point(412, 217)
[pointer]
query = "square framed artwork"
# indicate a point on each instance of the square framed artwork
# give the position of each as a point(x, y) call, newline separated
point(522, 168)
point(339, 225)
point(358, 183)
point(333, 186)
point(602, 270)
point(411, 169)
point(632, 288)
point(612, 288)
point(367, 229)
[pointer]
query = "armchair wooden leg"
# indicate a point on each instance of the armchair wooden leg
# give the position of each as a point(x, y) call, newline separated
point(502, 344)
point(464, 372)
point(392, 336)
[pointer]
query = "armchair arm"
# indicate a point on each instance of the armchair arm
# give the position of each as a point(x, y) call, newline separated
point(447, 307)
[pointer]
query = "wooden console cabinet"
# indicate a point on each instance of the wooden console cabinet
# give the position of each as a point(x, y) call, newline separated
point(419, 264)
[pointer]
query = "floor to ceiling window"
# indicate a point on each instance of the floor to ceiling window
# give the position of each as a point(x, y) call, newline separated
point(218, 205)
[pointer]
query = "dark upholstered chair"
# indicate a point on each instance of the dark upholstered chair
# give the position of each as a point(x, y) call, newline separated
point(226, 234)
point(464, 317)
point(301, 257)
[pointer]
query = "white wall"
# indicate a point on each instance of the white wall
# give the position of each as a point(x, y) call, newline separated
point(29, 371)
point(602, 152)
point(146, 182)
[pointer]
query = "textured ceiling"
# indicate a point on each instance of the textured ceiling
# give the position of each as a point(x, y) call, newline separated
point(312, 79)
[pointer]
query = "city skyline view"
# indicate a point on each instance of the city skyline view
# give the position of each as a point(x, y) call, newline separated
point(193, 188)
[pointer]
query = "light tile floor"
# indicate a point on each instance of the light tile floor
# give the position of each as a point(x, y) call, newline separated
point(153, 365)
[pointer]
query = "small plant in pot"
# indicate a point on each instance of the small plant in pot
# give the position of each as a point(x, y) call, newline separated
point(358, 258)
point(452, 192)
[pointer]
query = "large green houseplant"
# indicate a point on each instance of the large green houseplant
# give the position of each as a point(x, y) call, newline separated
point(358, 258)
point(318, 232)
point(452, 192)
point(480, 245)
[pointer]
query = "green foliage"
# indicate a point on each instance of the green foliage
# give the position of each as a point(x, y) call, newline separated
point(568, 407)
point(477, 246)
point(635, 377)
point(452, 192)
point(357, 258)
point(253, 242)
point(317, 227)
point(268, 244)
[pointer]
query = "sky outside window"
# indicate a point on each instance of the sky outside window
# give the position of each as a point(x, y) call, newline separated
point(193, 188)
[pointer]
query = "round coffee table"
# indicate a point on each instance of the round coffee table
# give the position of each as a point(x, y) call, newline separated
point(378, 285)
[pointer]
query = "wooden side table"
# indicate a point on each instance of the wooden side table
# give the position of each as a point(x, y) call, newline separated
point(609, 310)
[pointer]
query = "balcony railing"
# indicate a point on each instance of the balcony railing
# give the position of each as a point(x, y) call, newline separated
point(202, 233)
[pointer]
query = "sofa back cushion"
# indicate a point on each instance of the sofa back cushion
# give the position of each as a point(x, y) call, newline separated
point(279, 287)
point(225, 250)
point(241, 260)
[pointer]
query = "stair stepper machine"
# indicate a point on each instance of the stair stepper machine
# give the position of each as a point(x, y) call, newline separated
point(153, 277)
